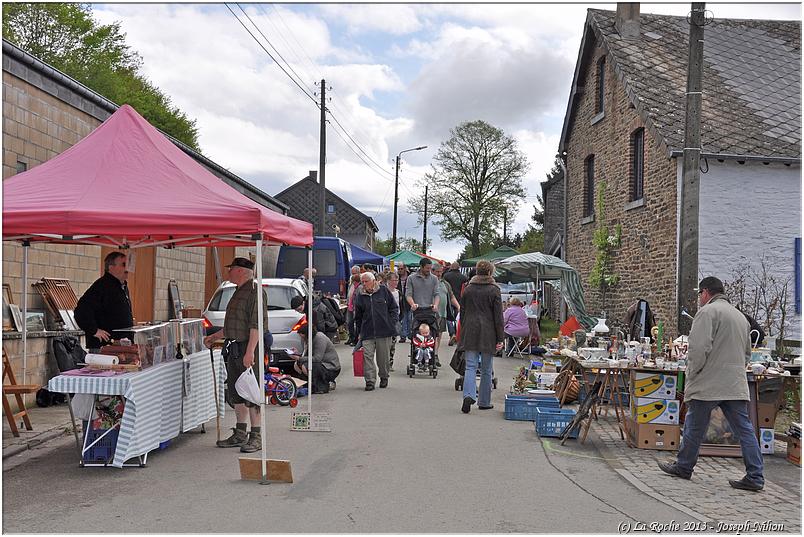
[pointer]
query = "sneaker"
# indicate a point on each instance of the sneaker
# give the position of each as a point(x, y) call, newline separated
point(369, 387)
point(672, 469)
point(383, 383)
point(238, 438)
point(489, 407)
point(745, 484)
point(254, 443)
point(467, 404)
point(332, 385)
point(402, 339)
point(437, 363)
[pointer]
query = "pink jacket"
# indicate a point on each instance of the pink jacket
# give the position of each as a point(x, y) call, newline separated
point(516, 321)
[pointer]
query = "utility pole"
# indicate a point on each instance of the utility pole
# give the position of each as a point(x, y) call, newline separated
point(424, 234)
point(396, 190)
point(505, 225)
point(322, 157)
point(690, 186)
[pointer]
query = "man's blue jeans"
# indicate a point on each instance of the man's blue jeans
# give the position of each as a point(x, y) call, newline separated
point(404, 320)
point(469, 380)
point(696, 424)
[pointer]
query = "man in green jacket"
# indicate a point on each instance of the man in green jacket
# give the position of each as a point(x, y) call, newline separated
point(719, 350)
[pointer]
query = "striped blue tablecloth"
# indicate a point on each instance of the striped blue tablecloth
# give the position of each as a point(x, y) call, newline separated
point(155, 409)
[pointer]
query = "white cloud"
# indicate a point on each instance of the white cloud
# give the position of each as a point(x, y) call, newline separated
point(394, 19)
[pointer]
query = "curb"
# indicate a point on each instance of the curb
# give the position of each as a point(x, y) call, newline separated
point(46, 436)
point(608, 456)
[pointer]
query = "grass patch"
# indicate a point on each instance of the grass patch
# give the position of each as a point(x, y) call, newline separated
point(549, 329)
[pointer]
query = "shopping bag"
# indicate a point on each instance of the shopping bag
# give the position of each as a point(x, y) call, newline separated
point(357, 362)
point(248, 388)
point(458, 362)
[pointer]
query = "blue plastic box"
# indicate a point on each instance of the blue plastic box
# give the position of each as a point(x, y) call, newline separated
point(523, 407)
point(103, 451)
point(552, 421)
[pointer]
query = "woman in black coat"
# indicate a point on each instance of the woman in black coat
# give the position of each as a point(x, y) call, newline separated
point(481, 334)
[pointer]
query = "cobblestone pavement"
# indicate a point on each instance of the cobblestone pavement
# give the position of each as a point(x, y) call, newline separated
point(707, 497)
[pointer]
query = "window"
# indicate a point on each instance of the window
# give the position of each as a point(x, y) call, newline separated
point(279, 297)
point(637, 164)
point(601, 85)
point(330, 208)
point(589, 190)
point(21, 166)
point(324, 261)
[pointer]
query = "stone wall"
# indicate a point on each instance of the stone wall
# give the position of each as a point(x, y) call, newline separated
point(185, 265)
point(646, 259)
point(553, 193)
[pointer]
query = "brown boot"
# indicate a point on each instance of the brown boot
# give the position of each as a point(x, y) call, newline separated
point(238, 438)
point(254, 443)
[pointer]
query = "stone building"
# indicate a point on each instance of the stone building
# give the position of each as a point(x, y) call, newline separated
point(45, 112)
point(303, 204)
point(624, 132)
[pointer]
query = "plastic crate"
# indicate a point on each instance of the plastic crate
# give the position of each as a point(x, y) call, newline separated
point(523, 407)
point(103, 451)
point(551, 421)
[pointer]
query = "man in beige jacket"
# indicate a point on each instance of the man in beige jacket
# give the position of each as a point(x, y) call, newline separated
point(719, 350)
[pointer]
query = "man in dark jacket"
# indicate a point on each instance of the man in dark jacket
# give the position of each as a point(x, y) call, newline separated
point(455, 278)
point(106, 305)
point(376, 315)
point(481, 334)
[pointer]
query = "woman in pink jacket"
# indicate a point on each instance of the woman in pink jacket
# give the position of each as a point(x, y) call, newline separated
point(516, 323)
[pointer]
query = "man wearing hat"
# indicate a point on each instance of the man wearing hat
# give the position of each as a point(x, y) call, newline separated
point(719, 350)
point(241, 349)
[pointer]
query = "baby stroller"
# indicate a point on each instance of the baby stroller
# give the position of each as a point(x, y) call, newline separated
point(422, 316)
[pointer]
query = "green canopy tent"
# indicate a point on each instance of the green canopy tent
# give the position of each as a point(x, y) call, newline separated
point(498, 253)
point(410, 258)
point(539, 266)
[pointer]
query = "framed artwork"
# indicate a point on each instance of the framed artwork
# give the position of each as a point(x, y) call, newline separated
point(35, 321)
point(8, 321)
point(174, 301)
point(16, 315)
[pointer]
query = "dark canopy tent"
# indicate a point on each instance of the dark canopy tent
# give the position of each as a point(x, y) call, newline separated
point(361, 256)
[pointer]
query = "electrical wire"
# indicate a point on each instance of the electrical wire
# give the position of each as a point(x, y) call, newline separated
point(269, 54)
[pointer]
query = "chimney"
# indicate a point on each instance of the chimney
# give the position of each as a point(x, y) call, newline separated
point(314, 175)
point(627, 21)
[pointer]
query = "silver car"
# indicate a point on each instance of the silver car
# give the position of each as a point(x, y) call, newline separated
point(281, 319)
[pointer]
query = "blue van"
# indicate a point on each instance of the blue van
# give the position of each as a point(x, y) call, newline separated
point(332, 259)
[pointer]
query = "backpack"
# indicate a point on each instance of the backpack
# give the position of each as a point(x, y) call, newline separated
point(334, 309)
point(68, 352)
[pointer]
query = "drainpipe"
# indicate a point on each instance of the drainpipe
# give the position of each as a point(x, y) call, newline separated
point(560, 158)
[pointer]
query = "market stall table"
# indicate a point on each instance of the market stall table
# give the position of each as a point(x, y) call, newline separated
point(611, 379)
point(160, 402)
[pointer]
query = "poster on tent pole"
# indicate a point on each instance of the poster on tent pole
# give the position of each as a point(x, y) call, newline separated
point(310, 421)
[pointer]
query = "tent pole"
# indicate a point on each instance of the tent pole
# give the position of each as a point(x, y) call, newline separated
point(25, 246)
point(310, 281)
point(261, 356)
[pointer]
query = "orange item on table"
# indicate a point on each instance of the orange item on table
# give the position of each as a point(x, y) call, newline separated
point(569, 327)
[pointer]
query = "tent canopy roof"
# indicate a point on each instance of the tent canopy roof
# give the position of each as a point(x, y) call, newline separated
point(411, 258)
point(498, 253)
point(360, 256)
point(126, 184)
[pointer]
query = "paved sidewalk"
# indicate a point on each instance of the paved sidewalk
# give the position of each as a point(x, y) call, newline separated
point(48, 423)
point(707, 497)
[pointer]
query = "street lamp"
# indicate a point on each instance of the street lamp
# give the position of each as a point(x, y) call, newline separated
point(396, 191)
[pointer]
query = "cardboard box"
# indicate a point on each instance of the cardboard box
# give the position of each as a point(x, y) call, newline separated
point(653, 436)
point(654, 385)
point(766, 440)
point(656, 411)
point(794, 450)
point(766, 415)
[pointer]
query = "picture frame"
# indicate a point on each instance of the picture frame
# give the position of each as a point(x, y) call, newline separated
point(35, 321)
point(8, 321)
point(16, 315)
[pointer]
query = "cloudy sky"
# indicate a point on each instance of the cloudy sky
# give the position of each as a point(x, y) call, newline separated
point(399, 76)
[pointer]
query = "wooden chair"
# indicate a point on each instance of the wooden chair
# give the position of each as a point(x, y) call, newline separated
point(17, 390)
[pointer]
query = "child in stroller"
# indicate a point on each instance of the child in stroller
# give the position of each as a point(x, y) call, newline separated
point(423, 317)
point(425, 343)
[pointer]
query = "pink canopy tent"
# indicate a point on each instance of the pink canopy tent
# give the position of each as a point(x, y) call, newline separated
point(128, 186)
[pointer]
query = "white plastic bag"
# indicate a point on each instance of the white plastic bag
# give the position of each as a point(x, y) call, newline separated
point(82, 404)
point(248, 388)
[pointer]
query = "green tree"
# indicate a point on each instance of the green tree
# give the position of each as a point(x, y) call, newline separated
point(475, 175)
point(383, 246)
point(67, 37)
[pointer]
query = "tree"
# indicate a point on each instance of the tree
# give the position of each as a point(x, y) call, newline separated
point(383, 246)
point(475, 175)
point(67, 37)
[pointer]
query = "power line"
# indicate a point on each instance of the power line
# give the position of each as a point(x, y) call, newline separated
point(270, 55)
point(358, 155)
point(337, 122)
point(315, 67)
point(288, 45)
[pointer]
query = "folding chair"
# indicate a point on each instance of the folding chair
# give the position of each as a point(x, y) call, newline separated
point(517, 347)
point(17, 390)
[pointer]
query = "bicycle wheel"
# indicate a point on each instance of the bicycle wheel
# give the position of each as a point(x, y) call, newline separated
point(285, 391)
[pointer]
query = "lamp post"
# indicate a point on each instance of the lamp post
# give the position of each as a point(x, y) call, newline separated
point(396, 191)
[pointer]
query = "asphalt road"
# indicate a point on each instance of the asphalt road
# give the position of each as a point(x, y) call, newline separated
point(398, 460)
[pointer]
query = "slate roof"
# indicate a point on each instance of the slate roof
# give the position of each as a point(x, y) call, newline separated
point(751, 81)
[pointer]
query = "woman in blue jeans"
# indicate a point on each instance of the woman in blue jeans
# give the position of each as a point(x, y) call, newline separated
point(481, 335)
